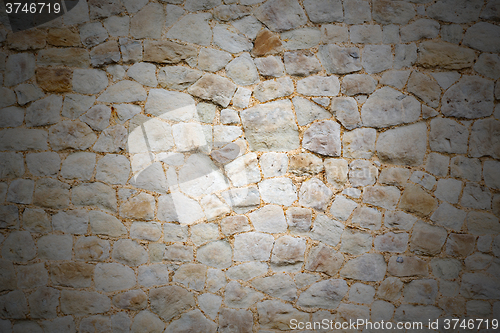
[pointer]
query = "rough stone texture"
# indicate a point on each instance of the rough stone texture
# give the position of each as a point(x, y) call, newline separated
point(209, 165)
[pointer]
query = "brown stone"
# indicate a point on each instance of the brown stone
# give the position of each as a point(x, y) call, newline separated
point(460, 245)
point(167, 52)
point(53, 79)
point(427, 239)
point(27, 40)
point(105, 53)
point(324, 259)
point(72, 57)
point(410, 266)
point(63, 37)
point(234, 224)
point(139, 207)
point(445, 55)
point(418, 201)
point(452, 305)
point(266, 43)
point(390, 289)
point(72, 274)
point(170, 301)
point(131, 300)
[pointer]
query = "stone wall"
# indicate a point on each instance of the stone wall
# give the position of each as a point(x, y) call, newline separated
point(198, 165)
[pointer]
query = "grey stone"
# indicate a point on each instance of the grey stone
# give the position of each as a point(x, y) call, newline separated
point(326, 230)
point(146, 320)
point(445, 55)
point(331, 33)
point(27, 93)
point(215, 254)
point(131, 50)
point(92, 34)
point(113, 277)
point(367, 267)
point(247, 271)
point(405, 55)
point(393, 145)
point(396, 79)
point(51, 193)
point(319, 86)
point(424, 87)
point(272, 89)
point(307, 111)
point(339, 60)
point(241, 320)
point(19, 246)
point(192, 28)
point(11, 117)
point(490, 174)
point(421, 291)
point(419, 29)
point(482, 141)
point(242, 199)
point(366, 34)
point(242, 70)
point(448, 136)
point(148, 22)
point(389, 11)
point(123, 92)
point(129, 252)
point(270, 66)
point(388, 107)
point(460, 12)
point(355, 84)
point(44, 112)
point(488, 65)
point(105, 53)
point(192, 276)
point(391, 242)
point(471, 97)
point(252, 246)
point(278, 191)
point(179, 253)
point(427, 239)
point(313, 193)
point(210, 304)
point(476, 196)
point(356, 11)
point(465, 168)
point(97, 117)
point(324, 11)
point(355, 242)
point(78, 166)
point(303, 38)
point(452, 33)
point(76, 105)
point(483, 36)
point(215, 88)
point(288, 254)
point(230, 12)
point(236, 296)
point(72, 221)
point(301, 63)
point(19, 68)
point(446, 268)
point(170, 301)
point(325, 294)
point(21, 191)
point(299, 220)
point(323, 138)
point(342, 207)
point(377, 58)
point(117, 25)
point(228, 39)
point(276, 18)
point(193, 5)
point(278, 285)
point(193, 321)
point(143, 73)
point(359, 143)
point(177, 77)
point(362, 173)
point(346, 111)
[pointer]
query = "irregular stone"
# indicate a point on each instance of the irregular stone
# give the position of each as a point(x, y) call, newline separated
point(149, 231)
point(460, 245)
point(44, 112)
point(483, 140)
point(392, 149)
point(323, 138)
point(366, 217)
point(336, 172)
point(192, 276)
point(278, 315)
point(367, 267)
point(278, 285)
point(234, 224)
point(313, 193)
point(302, 38)
point(228, 39)
point(215, 88)
point(241, 98)
point(488, 65)
point(479, 286)
point(105, 53)
point(391, 242)
point(192, 28)
point(388, 107)
point(301, 63)
point(178, 252)
point(339, 60)
point(355, 84)
point(131, 50)
point(324, 11)
point(129, 252)
point(243, 199)
point(366, 34)
point(12, 116)
point(19, 246)
point(490, 174)
point(388, 12)
point(167, 52)
point(483, 36)
point(421, 291)
point(342, 207)
point(325, 294)
point(279, 191)
point(355, 242)
point(471, 97)
point(362, 173)
point(113, 277)
point(147, 321)
point(383, 196)
point(76, 105)
point(346, 111)
point(72, 274)
point(427, 239)
point(319, 86)
point(272, 89)
point(34, 219)
point(112, 140)
point(465, 168)
point(270, 66)
point(265, 134)
point(148, 22)
point(20, 191)
point(123, 92)
point(359, 143)
point(449, 217)
point(326, 230)
point(305, 164)
point(377, 58)
point(288, 254)
point(476, 196)
point(444, 55)
point(117, 25)
point(236, 296)
point(425, 88)
point(460, 12)
point(215, 254)
point(51, 193)
point(177, 77)
point(273, 15)
point(91, 249)
point(356, 11)
point(299, 220)
point(322, 258)
point(252, 246)
point(19, 68)
point(62, 37)
point(331, 34)
point(481, 223)
point(82, 303)
point(230, 319)
point(170, 301)
point(143, 73)
point(390, 289)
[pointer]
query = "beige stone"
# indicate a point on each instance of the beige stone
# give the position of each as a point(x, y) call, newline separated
point(266, 43)
point(72, 274)
point(427, 239)
point(63, 37)
point(322, 258)
point(131, 300)
point(139, 207)
point(444, 55)
point(417, 200)
point(27, 40)
point(72, 57)
point(91, 249)
point(170, 301)
point(167, 52)
point(82, 303)
point(460, 245)
point(390, 289)
point(407, 266)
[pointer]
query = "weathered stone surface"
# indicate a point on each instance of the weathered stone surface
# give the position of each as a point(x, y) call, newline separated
point(425, 88)
point(214, 88)
point(228, 39)
point(355, 84)
point(72, 274)
point(242, 70)
point(427, 239)
point(271, 126)
point(177, 77)
point(146, 320)
point(488, 65)
point(323, 138)
point(299, 220)
point(301, 63)
point(279, 191)
point(305, 164)
point(319, 86)
point(193, 321)
point(148, 22)
point(326, 294)
point(314, 193)
point(479, 286)
point(460, 245)
point(368, 267)
point(377, 58)
point(390, 289)
point(230, 319)
point(179, 253)
point(408, 266)
point(444, 55)
point(359, 143)
point(123, 92)
point(388, 107)
point(252, 246)
point(389, 11)
point(355, 242)
point(471, 97)
point(82, 303)
point(339, 60)
point(393, 146)
point(168, 52)
point(346, 111)
point(362, 173)
point(483, 36)
point(215, 254)
point(113, 277)
point(270, 66)
point(44, 111)
point(170, 301)
point(281, 15)
point(272, 89)
point(483, 139)
point(72, 57)
point(236, 296)
point(192, 28)
point(129, 252)
point(481, 223)
point(460, 12)
point(326, 230)
point(476, 196)
point(288, 254)
point(324, 259)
